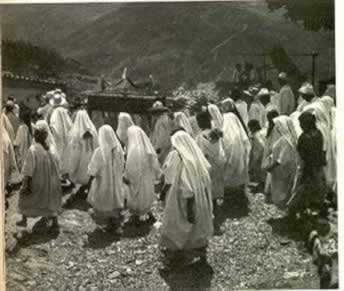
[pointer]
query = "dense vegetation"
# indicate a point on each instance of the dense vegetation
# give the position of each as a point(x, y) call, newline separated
point(22, 57)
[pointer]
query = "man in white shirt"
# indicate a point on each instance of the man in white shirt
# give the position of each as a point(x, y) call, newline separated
point(286, 95)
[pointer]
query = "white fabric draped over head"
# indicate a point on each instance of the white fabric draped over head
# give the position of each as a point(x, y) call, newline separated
point(196, 165)
point(108, 142)
point(227, 105)
point(124, 122)
point(61, 123)
point(141, 157)
point(82, 124)
point(182, 121)
point(216, 116)
point(285, 126)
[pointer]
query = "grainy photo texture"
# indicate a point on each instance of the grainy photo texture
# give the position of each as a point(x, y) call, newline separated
point(173, 146)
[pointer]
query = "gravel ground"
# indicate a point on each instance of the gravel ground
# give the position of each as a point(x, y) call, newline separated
point(256, 250)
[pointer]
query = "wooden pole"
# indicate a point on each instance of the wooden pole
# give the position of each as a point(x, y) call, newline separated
point(314, 56)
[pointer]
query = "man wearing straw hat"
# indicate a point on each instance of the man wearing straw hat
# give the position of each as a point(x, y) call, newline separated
point(287, 100)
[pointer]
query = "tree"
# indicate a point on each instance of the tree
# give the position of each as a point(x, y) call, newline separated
point(313, 14)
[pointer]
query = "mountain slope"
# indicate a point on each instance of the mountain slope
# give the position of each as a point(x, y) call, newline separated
point(47, 24)
point(190, 42)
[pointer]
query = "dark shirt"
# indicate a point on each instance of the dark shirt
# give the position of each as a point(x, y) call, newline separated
point(310, 148)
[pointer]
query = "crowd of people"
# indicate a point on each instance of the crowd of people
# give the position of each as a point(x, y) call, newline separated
point(193, 158)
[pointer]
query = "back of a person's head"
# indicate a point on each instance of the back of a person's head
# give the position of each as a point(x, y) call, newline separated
point(204, 120)
point(272, 114)
point(254, 125)
point(236, 94)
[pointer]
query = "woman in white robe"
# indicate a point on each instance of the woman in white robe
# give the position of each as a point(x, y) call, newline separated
point(161, 137)
point(83, 142)
point(124, 122)
point(284, 161)
point(216, 116)
point(210, 142)
point(106, 170)
point(6, 124)
point(187, 221)
point(182, 121)
point(41, 192)
point(141, 173)
point(9, 165)
point(23, 139)
point(237, 148)
point(60, 125)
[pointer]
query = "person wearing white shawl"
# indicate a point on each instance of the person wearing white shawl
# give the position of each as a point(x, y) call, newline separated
point(83, 142)
point(323, 123)
point(182, 121)
point(106, 170)
point(9, 165)
point(236, 145)
point(141, 173)
point(8, 127)
point(284, 161)
point(60, 125)
point(124, 122)
point(161, 139)
point(24, 138)
point(210, 142)
point(216, 116)
point(187, 222)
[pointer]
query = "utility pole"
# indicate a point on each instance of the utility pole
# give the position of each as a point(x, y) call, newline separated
point(314, 56)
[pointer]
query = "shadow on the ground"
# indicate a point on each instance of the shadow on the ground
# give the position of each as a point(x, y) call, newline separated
point(197, 276)
point(285, 227)
point(40, 234)
point(77, 201)
point(235, 205)
point(130, 230)
point(100, 238)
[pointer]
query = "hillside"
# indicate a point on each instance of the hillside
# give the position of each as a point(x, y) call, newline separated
point(190, 42)
point(181, 42)
point(47, 24)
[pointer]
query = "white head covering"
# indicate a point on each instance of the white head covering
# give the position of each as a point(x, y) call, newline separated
point(216, 116)
point(141, 157)
point(285, 126)
point(108, 142)
point(327, 102)
point(195, 164)
point(124, 122)
point(182, 121)
point(61, 123)
point(227, 105)
point(81, 125)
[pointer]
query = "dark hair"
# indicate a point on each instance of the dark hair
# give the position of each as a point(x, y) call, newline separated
point(204, 120)
point(265, 99)
point(254, 125)
point(307, 97)
point(268, 84)
point(177, 129)
point(236, 94)
point(307, 121)
point(270, 116)
point(41, 137)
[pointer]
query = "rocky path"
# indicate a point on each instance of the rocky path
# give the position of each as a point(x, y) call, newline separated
point(257, 249)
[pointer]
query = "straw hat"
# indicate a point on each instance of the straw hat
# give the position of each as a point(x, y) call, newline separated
point(263, 92)
point(252, 91)
point(282, 76)
point(307, 89)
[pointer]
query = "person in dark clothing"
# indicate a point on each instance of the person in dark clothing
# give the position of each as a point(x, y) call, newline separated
point(310, 188)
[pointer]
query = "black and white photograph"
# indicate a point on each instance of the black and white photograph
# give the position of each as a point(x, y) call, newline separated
point(169, 145)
